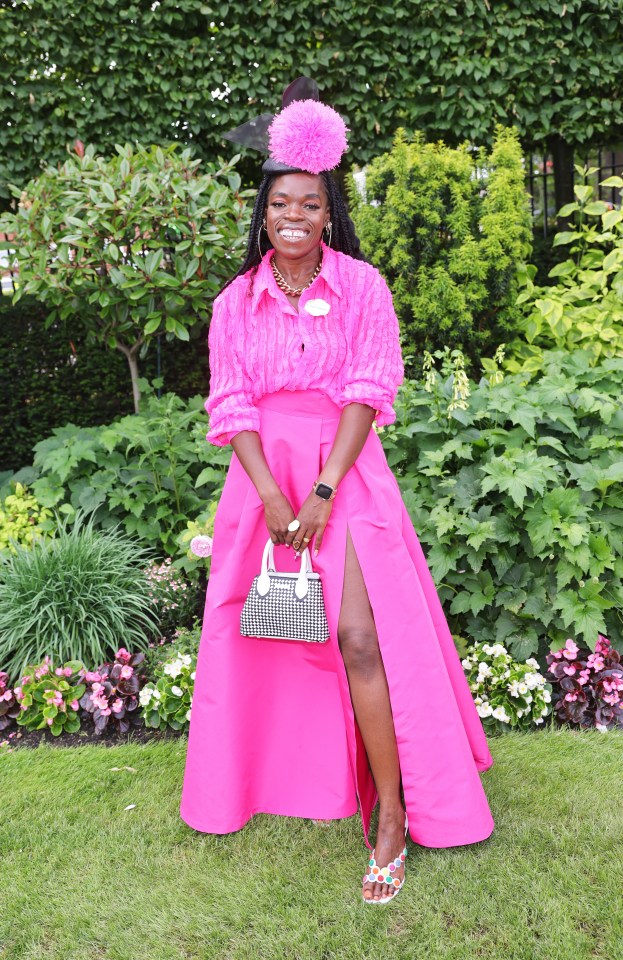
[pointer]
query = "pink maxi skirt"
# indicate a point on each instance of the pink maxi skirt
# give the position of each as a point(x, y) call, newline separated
point(272, 726)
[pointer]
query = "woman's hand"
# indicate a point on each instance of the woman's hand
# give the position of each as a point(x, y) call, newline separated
point(314, 515)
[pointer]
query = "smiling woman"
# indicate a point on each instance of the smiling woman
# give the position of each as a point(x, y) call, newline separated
point(305, 356)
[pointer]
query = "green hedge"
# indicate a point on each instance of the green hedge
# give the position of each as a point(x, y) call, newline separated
point(41, 388)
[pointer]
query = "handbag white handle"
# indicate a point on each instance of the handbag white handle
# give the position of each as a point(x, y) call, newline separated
point(268, 562)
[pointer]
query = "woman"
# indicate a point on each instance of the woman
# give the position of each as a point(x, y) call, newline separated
point(305, 356)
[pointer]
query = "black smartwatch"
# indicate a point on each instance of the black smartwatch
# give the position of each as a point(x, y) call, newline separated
point(324, 490)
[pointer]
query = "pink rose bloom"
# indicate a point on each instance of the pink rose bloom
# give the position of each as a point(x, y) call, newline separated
point(126, 672)
point(123, 655)
point(201, 546)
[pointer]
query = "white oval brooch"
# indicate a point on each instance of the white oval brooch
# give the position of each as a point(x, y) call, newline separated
point(317, 308)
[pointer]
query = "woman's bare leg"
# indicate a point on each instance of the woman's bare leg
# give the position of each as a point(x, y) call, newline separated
point(359, 645)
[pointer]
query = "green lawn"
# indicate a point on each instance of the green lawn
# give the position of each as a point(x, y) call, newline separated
point(84, 879)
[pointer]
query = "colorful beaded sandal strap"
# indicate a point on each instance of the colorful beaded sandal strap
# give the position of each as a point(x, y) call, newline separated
point(385, 874)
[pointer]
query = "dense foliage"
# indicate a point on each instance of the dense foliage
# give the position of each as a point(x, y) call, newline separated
point(133, 70)
point(588, 687)
point(152, 472)
point(51, 375)
point(136, 244)
point(515, 493)
point(583, 308)
point(448, 228)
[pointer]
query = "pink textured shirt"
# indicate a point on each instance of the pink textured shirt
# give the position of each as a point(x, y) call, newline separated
point(260, 344)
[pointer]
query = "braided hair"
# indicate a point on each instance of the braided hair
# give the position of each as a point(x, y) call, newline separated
point(343, 235)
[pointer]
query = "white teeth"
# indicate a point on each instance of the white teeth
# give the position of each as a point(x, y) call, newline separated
point(293, 234)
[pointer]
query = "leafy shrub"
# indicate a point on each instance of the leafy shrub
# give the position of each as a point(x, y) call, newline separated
point(49, 697)
point(22, 519)
point(507, 694)
point(168, 701)
point(139, 243)
point(588, 687)
point(152, 472)
point(172, 595)
point(112, 692)
point(448, 231)
point(583, 310)
point(517, 499)
point(184, 640)
point(76, 597)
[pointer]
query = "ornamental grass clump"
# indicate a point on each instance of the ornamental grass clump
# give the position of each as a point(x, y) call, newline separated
point(112, 690)
point(75, 597)
point(588, 687)
point(167, 702)
point(507, 694)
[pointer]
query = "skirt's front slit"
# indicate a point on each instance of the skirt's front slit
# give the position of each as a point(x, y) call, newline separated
point(272, 725)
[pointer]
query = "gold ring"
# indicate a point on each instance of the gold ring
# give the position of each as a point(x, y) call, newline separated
point(306, 539)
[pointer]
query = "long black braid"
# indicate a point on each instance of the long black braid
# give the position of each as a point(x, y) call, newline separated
point(343, 235)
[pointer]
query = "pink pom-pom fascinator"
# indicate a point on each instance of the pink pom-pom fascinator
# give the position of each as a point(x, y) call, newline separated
point(306, 136)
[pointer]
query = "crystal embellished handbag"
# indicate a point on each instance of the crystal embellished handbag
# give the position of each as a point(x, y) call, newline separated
point(285, 606)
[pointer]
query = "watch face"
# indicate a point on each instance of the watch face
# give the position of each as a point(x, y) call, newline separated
point(324, 490)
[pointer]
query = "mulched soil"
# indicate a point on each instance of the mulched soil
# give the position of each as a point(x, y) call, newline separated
point(109, 738)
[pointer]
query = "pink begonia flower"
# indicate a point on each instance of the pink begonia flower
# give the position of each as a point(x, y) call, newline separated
point(92, 676)
point(75, 705)
point(68, 671)
point(201, 546)
point(127, 672)
point(23, 707)
point(123, 655)
point(570, 650)
point(569, 670)
point(59, 671)
point(571, 696)
point(596, 662)
point(7, 695)
point(49, 721)
point(26, 679)
point(97, 687)
point(602, 645)
point(117, 705)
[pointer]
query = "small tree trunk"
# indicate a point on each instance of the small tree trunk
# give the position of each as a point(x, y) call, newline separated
point(562, 155)
point(131, 353)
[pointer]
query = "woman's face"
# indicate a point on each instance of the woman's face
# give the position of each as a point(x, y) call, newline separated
point(296, 214)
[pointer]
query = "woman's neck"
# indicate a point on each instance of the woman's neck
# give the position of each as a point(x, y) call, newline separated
point(297, 272)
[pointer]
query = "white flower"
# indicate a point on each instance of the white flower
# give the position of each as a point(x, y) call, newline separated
point(512, 689)
point(317, 308)
point(173, 669)
point(155, 693)
point(601, 727)
point(477, 701)
point(176, 691)
point(466, 664)
point(498, 649)
point(547, 696)
point(484, 710)
point(145, 696)
point(533, 663)
point(186, 659)
point(539, 720)
point(523, 688)
point(484, 669)
point(500, 714)
point(544, 712)
point(532, 679)
point(487, 648)
point(188, 714)
point(193, 675)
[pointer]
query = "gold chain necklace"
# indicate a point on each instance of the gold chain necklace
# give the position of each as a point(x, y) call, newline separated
point(283, 284)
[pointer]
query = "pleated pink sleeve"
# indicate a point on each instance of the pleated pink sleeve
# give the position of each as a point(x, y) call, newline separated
point(376, 370)
point(230, 402)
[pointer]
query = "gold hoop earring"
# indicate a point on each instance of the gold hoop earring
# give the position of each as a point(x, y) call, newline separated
point(329, 227)
point(259, 237)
